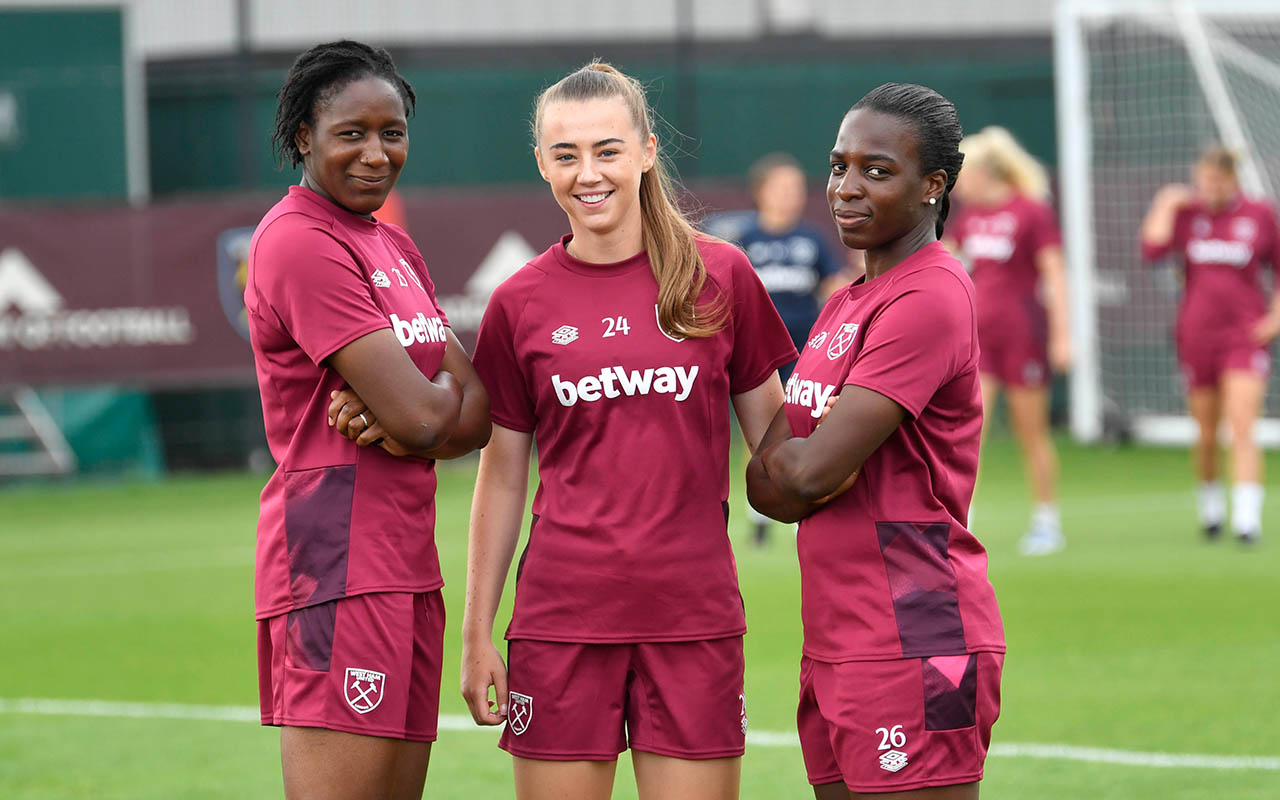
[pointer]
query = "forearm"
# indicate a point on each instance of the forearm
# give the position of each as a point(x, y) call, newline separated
point(497, 509)
point(472, 431)
point(800, 475)
point(765, 496)
point(1157, 226)
point(1057, 310)
point(433, 421)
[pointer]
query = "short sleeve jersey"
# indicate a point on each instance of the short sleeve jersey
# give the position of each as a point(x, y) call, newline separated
point(628, 541)
point(336, 520)
point(791, 266)
point(1223, 254)
point(1001, 244)
point(889, 569)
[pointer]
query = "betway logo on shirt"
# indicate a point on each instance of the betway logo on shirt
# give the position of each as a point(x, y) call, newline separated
point(419, 329)
point(618, 381)
point(810, 394)
point(994, 247)
point(1219, 251)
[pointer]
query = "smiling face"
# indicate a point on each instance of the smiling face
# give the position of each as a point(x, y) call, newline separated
point(876, 192)
point(354, 152)
point(593, 156)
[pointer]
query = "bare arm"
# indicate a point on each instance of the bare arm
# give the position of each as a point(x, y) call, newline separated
point(471, 433)
point(474, 428)
point(818, 468)
point(763, 494)
point(756, 409)
point(419, 413)
point(1267, 328)
point(1050, 264)
point(496, 512)
point(1157, 226)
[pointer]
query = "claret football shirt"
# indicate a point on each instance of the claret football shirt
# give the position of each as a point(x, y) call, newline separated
point(1001, 245)
point(1223, 254)
point(889, 569)
point(629, 538)
point(336, 519)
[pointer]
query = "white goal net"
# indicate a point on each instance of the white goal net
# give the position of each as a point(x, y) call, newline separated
point(1142, 88)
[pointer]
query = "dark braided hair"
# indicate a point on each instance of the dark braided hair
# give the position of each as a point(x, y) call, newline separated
point(320, 73)
point(937, 127)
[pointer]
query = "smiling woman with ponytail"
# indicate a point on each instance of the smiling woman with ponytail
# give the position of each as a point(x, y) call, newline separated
point(619, 349)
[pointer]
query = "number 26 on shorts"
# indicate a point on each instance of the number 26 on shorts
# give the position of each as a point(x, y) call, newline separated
point(891, 737)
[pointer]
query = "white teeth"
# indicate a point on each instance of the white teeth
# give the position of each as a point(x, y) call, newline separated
point(593, 198)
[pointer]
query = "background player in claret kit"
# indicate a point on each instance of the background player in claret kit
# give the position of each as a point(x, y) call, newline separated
point(363, 385)
point(1224, 327)
point(1009, 237)
point(620, 349)
point(903, 644)
point(793, 260)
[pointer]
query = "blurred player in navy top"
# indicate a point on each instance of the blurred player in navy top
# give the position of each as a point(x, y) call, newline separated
point(1225, 324)
point(794, 261)
point(1009, 238)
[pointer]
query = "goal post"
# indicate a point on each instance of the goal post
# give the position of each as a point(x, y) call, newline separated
point(1141, 87)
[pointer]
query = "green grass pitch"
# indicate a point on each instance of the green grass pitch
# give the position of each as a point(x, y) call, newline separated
point(1139, 637)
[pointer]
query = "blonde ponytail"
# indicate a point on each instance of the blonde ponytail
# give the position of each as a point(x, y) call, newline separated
point(995, 150)
point(669, 237)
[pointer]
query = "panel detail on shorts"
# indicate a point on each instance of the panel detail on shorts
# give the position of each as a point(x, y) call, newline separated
point(310, 632)
point(317, 522)
point(950, 692)
point(923, 586)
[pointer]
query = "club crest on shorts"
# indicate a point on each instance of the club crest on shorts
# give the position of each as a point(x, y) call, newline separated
point(841, 341)
point(519, 712)
point(364, 689)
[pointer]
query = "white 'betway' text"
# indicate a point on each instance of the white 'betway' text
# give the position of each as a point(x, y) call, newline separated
point(616, 381)
point(810, 394)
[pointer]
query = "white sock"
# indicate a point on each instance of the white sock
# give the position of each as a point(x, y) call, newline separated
point(1045, 515)
point(1213, 503)
point(1246, 508)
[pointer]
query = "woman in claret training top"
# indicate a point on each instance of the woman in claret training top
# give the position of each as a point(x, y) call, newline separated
point(903, 644)
point(619, 349)
point(1009, 236)
point(1225, 324)
point(363, 386)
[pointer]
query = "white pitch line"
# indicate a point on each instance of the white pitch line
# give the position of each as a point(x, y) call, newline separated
point(459, 722)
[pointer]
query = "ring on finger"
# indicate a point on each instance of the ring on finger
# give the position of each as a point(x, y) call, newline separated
point(363, 419)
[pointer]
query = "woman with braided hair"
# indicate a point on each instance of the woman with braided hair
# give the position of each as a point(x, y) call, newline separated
point(363, 387)
point(903, 644)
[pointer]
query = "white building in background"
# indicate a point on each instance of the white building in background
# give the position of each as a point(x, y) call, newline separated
point(181, 28)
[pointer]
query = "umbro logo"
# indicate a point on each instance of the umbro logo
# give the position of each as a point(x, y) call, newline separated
point(893, 760)
point(565, 334)
point(381, 280)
